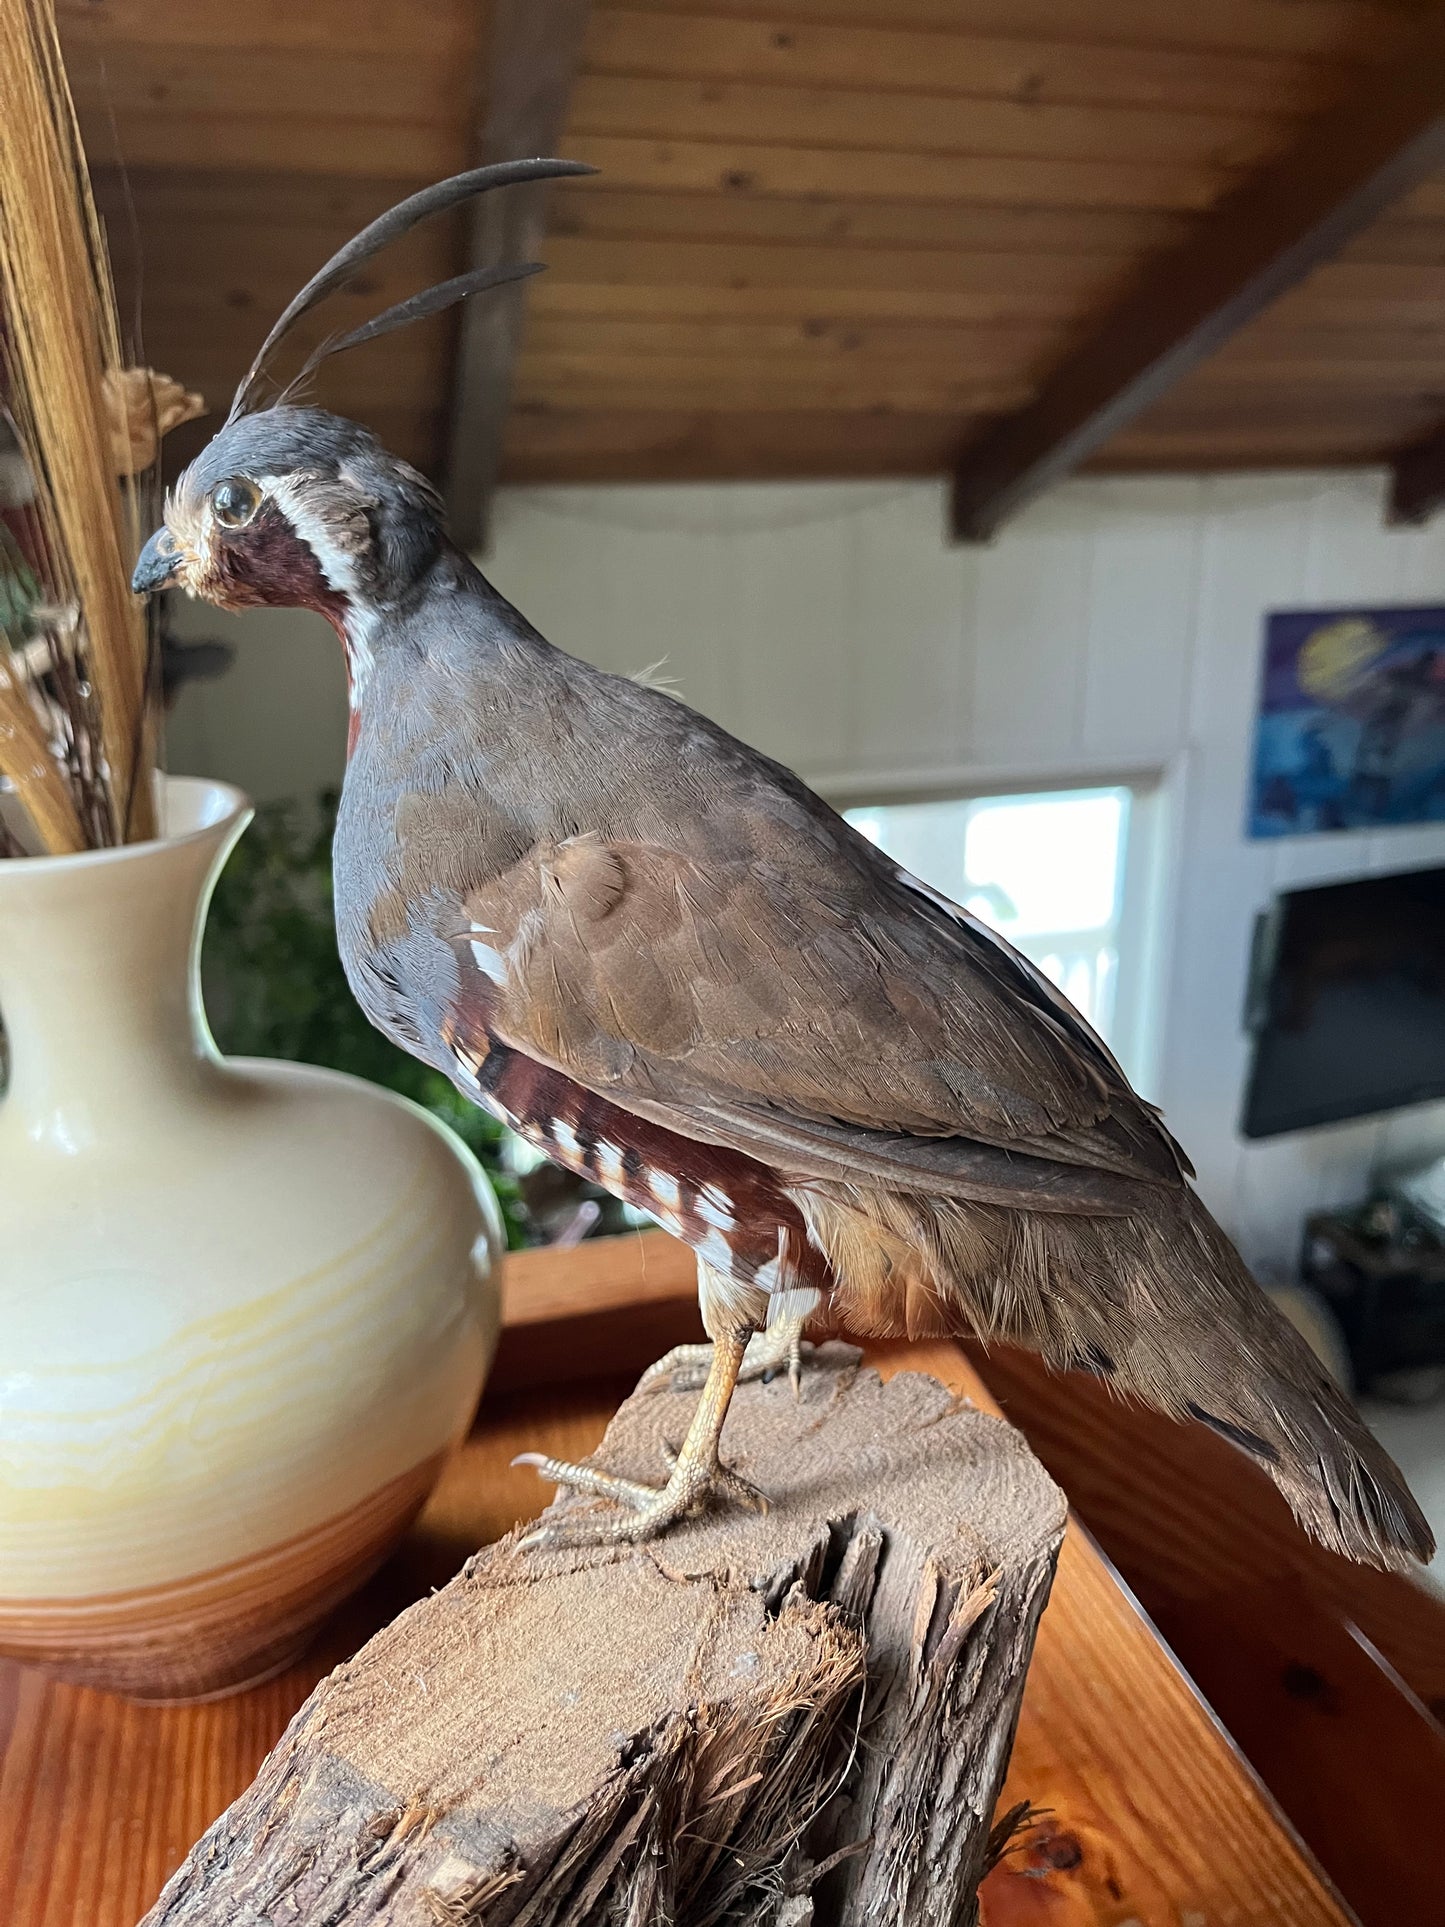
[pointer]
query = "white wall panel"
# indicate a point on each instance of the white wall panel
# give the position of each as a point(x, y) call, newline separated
point(1031, 622)
point(1143, 586)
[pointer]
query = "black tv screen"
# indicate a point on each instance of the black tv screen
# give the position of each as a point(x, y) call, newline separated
point(1347, 1002)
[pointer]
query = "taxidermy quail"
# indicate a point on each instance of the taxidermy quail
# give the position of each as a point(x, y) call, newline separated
point(664, 961)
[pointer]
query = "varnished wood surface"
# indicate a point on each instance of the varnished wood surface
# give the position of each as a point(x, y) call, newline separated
point(1330, 1676)
point(1154, 1817)
point(100, 1798)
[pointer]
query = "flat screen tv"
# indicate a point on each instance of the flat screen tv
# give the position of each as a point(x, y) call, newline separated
point(1347, 1002)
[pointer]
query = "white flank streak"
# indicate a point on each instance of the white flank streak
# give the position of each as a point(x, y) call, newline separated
point(724, 1301)
point(716, 1253)
point(489, 962)
point(715, 1208)
point(609, 1164)
point(767, 1278)
point(799, 1302)
point(563, 1135)
point(664, 1189)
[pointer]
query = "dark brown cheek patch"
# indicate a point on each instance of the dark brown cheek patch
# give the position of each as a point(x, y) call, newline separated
point(267, 565)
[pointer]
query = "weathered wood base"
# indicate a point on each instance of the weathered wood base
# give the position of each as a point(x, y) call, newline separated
point(802, 1717)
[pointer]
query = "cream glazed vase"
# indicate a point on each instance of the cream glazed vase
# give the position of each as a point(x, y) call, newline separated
point(246, 1307)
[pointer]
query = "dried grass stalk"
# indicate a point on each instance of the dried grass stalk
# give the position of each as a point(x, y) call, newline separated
point(27, 759)
point(62, 339)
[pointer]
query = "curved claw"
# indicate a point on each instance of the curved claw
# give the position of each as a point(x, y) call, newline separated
point(646, 1511)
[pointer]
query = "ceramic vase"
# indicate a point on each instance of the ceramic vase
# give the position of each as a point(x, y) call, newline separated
point(246, 1307)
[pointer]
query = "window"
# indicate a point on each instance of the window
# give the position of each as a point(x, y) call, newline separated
point(1046, 871)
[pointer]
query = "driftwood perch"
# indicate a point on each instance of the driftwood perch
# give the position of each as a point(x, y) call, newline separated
point(781, 1720)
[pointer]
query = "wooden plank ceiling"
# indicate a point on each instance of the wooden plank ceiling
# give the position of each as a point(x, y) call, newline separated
point(255, 137)
point(829, 237)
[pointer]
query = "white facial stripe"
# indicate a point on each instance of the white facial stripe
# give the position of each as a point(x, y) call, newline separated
point(288, 492)
point(361, 658)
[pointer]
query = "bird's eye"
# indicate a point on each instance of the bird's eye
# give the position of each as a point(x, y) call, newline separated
point(235, 501)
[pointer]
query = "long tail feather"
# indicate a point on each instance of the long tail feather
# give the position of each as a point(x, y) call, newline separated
point(1160, 1306)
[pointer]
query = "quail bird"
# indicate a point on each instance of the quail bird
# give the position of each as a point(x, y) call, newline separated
point(659, 957)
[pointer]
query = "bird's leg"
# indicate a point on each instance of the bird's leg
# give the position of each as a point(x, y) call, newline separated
point(778, 1349)
point(697, 1472)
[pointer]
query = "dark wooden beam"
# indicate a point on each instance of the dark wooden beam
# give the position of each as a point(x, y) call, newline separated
point(1417, 481)
point(1346, 167)
point(532, 57)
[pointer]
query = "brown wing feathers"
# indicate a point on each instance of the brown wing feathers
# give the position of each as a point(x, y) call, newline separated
point(959, 1158)
point(676, 969)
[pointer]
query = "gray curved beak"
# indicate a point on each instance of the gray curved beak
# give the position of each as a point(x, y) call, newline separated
point(158, 564)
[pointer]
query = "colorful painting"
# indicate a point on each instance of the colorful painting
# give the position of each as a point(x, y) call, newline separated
point(1351, 731)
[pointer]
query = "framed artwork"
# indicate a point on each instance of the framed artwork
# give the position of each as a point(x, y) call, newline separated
point(1351, 727)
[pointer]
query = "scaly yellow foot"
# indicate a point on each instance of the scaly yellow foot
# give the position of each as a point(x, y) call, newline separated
point(697, 1474)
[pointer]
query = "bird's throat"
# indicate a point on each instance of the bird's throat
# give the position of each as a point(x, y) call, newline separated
point(354, 625)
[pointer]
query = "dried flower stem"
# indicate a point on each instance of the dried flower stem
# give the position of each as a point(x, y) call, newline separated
point(62, 338)
point(26, 758)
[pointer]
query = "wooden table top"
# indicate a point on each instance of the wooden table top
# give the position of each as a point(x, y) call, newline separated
point(1154, 1819)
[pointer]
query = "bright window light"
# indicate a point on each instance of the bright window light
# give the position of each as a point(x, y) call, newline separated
point(1046, 871)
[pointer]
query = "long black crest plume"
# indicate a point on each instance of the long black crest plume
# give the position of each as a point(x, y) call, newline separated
point(379, 234)
point(416, 307)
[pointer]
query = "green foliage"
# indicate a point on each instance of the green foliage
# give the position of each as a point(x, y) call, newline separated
point(275, 987)
point(19, 590)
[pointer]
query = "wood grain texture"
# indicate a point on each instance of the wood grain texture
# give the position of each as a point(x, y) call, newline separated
point(919, 121)
point(1294, 213)
point(1323, 29)
point(601, 210)
point(525, 81)
point(764, 141)
point(691, 1732)
point(99, 1799)
point(962, 63)
point(1331, 1677)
